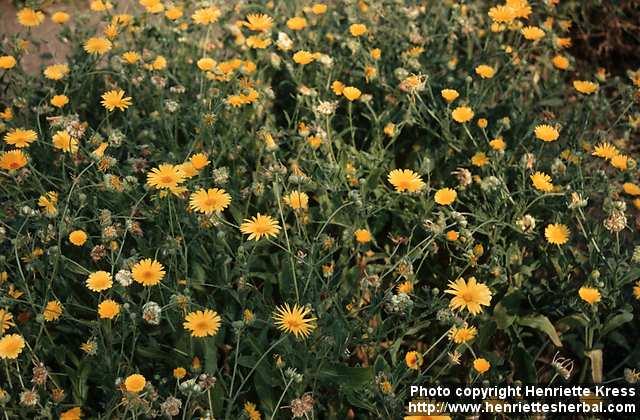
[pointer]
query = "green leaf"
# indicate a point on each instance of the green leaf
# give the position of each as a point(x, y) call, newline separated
point(616, 321)
point(502, 317)
point(542, 323)
point(349, 377)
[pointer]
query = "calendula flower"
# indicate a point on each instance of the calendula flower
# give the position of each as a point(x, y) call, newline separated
point(557, 233)
point(297, 23)
point(179, 372)
point(131, 57)
point(485, 71)
point(209, 201)
point(99, 281)
point(59, 100)
point(29, 17)
point(297, 200)
point(463, 334)
point(546, 133)
point(206, 16)
point(63, 141)
point(502, 14)
point(199, 161)
point(97, 45)
point(20, 138)
point(590, 295)
point(481, 365)
point(60, 17)
point(11, 346)
point(202, 323)
point(498, 144)
point(532, 33)
point(479, 159)
point(78, 237)
point(148, 272)
point(585, 87)
point(56, 71)
point(303, 57)
point(620, 162)
point(560, 62)
point(542, 182)
point(631, 188)
point(294, 320)
point(449, 95)
point(52, 311)
point(362, 236)
point(445, 196)
point(258, 22)
point(108, 309)
point(405, 180)
point(165, 176)
point(13, 160)
point(357, 29)
point(74, 413)
point(7, 62)
point(6, 321)
point(413, 360)
point(115, 99)
point(469, 295)
point(605, 150)
point(251, 411)
point(351, 93)
point(173, 13)
point(135, 383)
point(260, 226)
point(462, 114)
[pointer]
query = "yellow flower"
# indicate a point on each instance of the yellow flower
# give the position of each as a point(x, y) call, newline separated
point(199, 161)
point(52, 311)
point(29, 17)
point(209, 201)
point(485, 71)
point(405, 287)
point(131, 57)
point(498, 144)
point(148, 272)
point(179, 372)
point(502, 14)
point(258, 22)
point(620, 162)
point(357, 29)
point(482, 122)
point(11, 346)
point(413, 360)
point(7, 62)
point(206, 16)
point(376, 53)
point(589, 294)
point(257, 42)
point(13, 160)
point(59, 100)
point(100, 5)
point(479, 159)
point(135, 383)
point(298, 200)
point(56, 71)
point(636, 290)
point(97, 45)
point(389, 129)
point(99, 281)
point(362, 236)
point(449, 95)
point(405, 180)
point(351, 93)
point(259, 226)
point(165, 176)
point(173, 13)
point(546, 133)
point(74, 413)
point(6, 321)
point(303, 57)
point(159, 63)
point(542, 182)
point(462, 114)
point(585, 87)
point(294, 320)
point(20, 137)
point(297, 23)
point(560, 62)
point(631, 188)
point(318, 9)
point(481, 365)
point(115, 99)
point(337, 87)
point(469, 295)
point(557, 234)
point(605, 150)
point(63, 141)
point(251, 411)
point(532, 33)
point(452, 235)
point(445, 196)
point(461, 335)
point(60, 17)
point(202, 323)
point(108, 309)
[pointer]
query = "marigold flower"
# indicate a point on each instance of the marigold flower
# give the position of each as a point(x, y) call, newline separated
point(357, 29)
point(351, 93)
point(11, 346)
point(485, 71)
point(297, 23)
point(362, 236)
point(405, 180)
point(462, 114)
point(585, 87)
point(557, 233)
point(202, 323)
point(413, 360)
point(135, 383)
point(481, 365)
point(13, 160)
point(7, 62)
point(115, 99)
point(303, 57)
point(97, 45)
point(260, 226)
point(206, 16)
point(542, 182)
point(78, 237)
point(294, 320)
point(590, 295)
point(148, 272)
point(29, 17)
point(532, 33)
point(469, 295)
point(546, 133)
point(20, 138)
point(60, 17)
